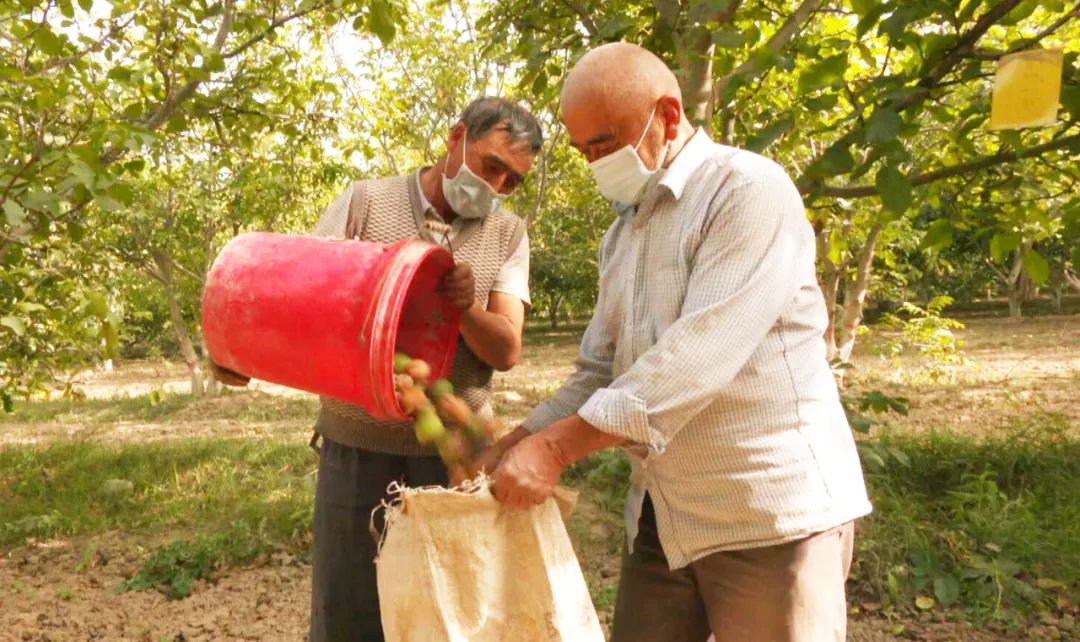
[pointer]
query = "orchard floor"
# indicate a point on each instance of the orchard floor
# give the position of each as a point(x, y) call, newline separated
point(66, 588)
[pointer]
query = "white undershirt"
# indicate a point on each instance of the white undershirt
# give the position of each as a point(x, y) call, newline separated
point(513, 276)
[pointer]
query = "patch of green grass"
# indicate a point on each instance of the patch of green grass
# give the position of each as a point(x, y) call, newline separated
point(174, 568)
point(206, 486)
point(604, 475)
point(237, 406)
point(541, 334)
point(989, 525)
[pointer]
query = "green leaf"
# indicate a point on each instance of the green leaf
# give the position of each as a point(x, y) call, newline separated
point(860, 423)
point(871, 457)
point(870, 16)
point(1037, 267)
point(98, 306)
point(381, 21)
point(86, 4)
point(901, 457)
point(15, 324)
point(111, 331)
point(837, 245)
point(768, 134)
point(1076, 258)
point(14, 213)
point(8, 402)
point(883, 126)
point(895, 189)
point(76, 230)
point(135, 166)
point(49, 43)
point(1070, 99)
point(823, 73)
point(946, 590)
point(729, 39)
point(86, 174)
point(29, 306)
point(1002, 245)
point(1050, 584)
point(616, 26)
point(938, 236)
point(720, 6)
point(836, 160)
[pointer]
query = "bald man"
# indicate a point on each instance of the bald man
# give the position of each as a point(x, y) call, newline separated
point(705, 360)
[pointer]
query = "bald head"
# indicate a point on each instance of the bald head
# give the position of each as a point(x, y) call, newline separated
point(615, 96)
point(618, 76)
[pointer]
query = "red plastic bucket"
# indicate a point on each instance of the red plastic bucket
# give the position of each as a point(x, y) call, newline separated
point(327, 315)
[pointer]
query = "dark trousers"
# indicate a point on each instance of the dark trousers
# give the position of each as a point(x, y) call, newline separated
point(352, 483)
point(791, 592)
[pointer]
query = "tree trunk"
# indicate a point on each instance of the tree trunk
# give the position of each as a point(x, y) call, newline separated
point(697, 79)
point(1072, 279)
point(830, 287)
point(1059, 299)
point(691, 27)
point(855, 294)
point(553, 312)
point(1018, 285)
point(163, 261)
point(212, 384)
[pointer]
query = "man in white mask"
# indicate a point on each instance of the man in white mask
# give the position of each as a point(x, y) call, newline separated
point(705, 360)
point(457, 202)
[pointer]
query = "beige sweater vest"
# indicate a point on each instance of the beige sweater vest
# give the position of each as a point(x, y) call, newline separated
point(387, 210)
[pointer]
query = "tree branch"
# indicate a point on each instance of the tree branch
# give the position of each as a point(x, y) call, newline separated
point(270, 30)
point(163, 112)
point(953, 170)
point(778, 41)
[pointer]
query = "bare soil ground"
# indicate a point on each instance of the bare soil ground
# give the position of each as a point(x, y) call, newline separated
point(67, 590)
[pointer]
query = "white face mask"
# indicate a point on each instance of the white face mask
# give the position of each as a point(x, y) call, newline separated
point(469, 195)
point(621, 176)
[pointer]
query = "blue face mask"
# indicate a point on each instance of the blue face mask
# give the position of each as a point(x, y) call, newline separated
point(469, 195)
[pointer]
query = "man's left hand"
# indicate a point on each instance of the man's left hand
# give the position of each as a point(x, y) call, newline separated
point(529, 472)
point(459, 286)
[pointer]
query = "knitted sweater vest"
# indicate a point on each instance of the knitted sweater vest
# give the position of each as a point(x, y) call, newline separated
point(387, 210)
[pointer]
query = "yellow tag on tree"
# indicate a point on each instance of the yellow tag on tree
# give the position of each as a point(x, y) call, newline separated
point(1027, 88)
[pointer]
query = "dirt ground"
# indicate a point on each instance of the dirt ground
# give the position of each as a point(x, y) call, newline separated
point(66, 590)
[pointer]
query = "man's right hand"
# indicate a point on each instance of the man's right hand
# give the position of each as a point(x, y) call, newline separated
point(228, 377)
point(488, 459)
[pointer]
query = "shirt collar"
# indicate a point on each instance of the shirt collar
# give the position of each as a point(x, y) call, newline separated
point(425, 205)
point(693, 154)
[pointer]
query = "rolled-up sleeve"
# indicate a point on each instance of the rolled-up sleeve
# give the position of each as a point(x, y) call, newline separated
point(746, 271)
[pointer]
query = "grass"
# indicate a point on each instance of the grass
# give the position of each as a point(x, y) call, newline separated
point(162, 407)
point(991, 526)
point(62, 490)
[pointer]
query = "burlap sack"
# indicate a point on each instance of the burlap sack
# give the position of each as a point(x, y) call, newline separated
point(456, 566)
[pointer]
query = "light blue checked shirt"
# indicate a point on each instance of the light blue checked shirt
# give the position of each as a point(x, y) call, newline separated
point(706, 353)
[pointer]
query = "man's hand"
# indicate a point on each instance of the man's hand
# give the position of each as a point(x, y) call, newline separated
point(488, 459)
point(459, 286)
point(529, 472)
point(228, 377)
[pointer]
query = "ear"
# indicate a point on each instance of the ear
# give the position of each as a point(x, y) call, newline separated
point(456, 133)
point(671, 115)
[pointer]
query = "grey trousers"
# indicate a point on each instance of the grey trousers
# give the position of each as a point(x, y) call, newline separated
point(352, 483)
point(792, 592)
